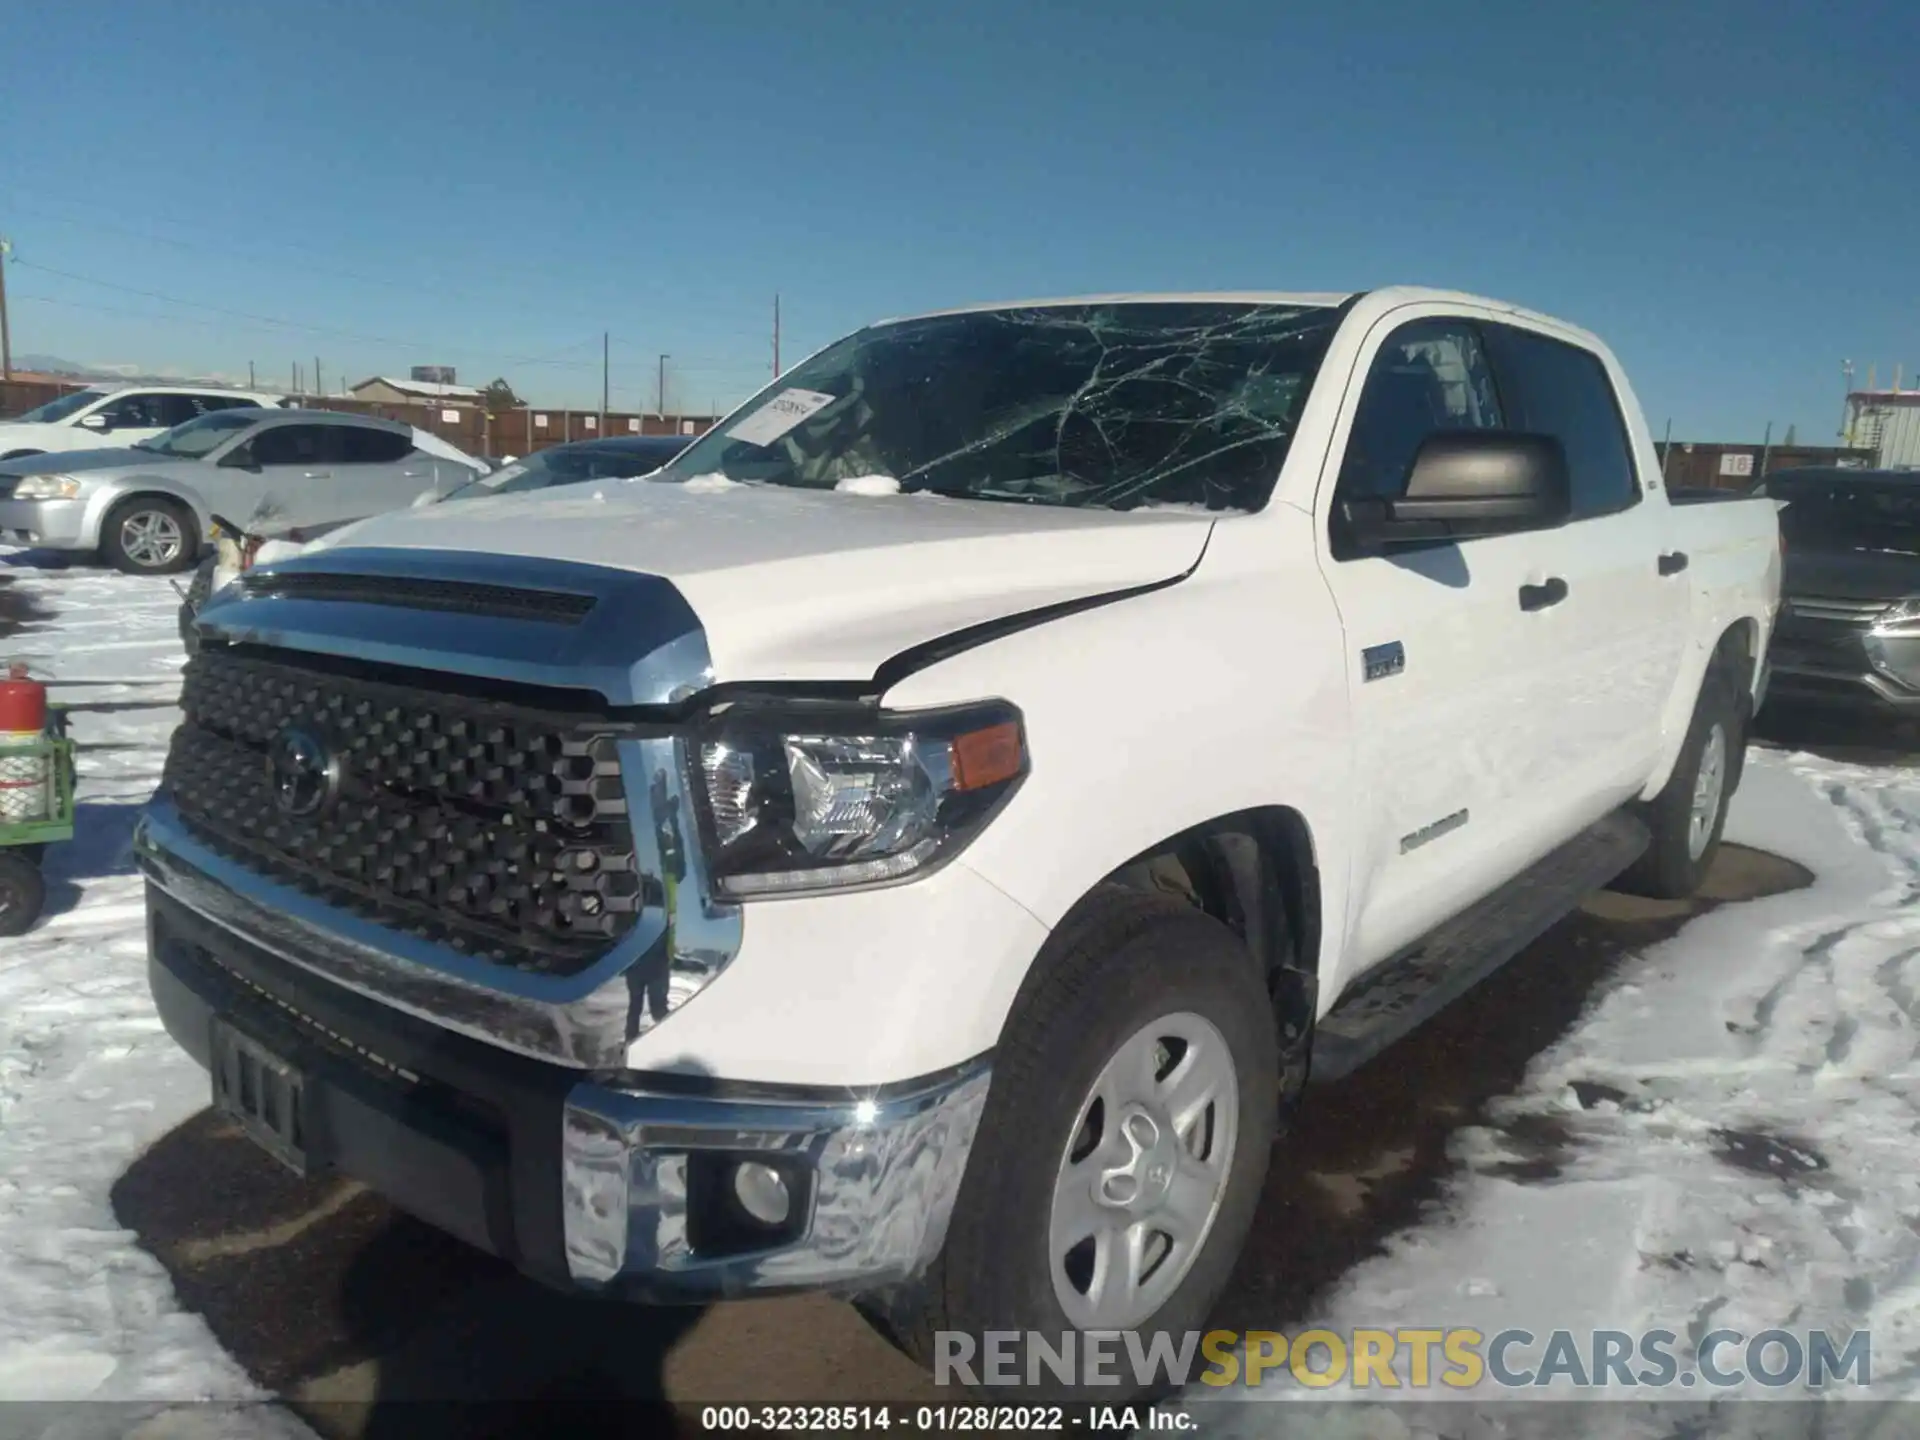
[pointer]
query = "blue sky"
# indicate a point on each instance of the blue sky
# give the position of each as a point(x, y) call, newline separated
point(1724, 190)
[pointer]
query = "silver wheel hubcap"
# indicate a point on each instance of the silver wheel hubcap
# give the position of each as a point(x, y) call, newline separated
point(1709, 784)
point(151, 537)
point(1141, 1180)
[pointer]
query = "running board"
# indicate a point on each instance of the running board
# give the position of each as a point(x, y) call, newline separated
point(1414, 986)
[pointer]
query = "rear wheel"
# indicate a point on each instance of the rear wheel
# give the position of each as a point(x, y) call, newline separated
point(22, 892)
point(150, 535)
point(1124, 1143)
point(1688, 815)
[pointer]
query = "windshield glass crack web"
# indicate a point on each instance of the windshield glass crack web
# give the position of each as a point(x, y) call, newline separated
point(1113, 406)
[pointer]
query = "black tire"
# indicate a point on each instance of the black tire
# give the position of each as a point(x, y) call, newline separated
point(22, 893)
point(116, 534)
point(1672, 869)
point(1127, 961)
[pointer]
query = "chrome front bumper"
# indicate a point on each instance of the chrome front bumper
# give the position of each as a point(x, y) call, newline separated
point(882, 1173)
point(52, 524)
point(877, 1167)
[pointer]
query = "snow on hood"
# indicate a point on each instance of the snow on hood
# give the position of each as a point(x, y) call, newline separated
point(813, 585)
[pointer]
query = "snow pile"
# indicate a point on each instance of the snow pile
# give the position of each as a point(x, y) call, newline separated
point(711, 484)
point(88, 1078)
point(868, 485)
point(1736, 1118)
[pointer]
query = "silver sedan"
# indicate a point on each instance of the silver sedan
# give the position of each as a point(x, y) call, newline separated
point(147, 509)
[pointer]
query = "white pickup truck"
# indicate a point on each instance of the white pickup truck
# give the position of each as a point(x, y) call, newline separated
point(918, 844)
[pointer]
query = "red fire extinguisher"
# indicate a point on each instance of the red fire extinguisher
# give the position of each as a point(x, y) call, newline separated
point(26, 774)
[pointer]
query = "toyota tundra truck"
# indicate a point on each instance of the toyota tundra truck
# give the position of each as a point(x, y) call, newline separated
point(920, 844)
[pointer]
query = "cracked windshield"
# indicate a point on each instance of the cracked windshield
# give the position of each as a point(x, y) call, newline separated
point(1112, 406)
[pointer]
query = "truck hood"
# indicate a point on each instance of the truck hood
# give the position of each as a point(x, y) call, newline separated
point(813, 585)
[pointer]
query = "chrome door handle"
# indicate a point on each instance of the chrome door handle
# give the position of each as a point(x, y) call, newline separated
point(318, 475)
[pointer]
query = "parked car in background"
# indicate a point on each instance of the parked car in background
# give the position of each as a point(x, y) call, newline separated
point(260, 541)
point(117, 415)
point(1849, 631)
point(146, 509)
point(1035, 762)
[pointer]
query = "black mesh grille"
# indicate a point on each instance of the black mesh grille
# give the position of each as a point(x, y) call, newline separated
point(498, 831)
point(557, 607)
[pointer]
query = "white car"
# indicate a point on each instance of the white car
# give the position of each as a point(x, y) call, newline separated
point(918, 844)
point(116, 415)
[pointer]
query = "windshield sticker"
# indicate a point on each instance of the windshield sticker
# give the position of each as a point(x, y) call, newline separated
point(778, 416)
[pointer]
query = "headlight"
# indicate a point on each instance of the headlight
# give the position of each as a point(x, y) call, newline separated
point(803, 797)
point(1902, 619)
point(47, 487)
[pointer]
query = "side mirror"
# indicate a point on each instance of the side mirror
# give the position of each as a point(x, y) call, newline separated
point(240, 459)
point(1466, 484)
point(95, 421)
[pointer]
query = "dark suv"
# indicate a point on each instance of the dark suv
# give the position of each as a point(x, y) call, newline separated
point(1849, 626)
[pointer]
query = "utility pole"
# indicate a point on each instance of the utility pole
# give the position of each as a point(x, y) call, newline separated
point(776, 334)
point(250, 382)
point(663, 388)
point(1846, 401)
point(6, 336)
point(603, 382)
point(1766, 449)
point(319, 385)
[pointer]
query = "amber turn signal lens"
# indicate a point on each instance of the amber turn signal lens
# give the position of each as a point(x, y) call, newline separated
point(987, 757)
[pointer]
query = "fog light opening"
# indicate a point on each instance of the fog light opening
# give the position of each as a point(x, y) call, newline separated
point(762, 1193)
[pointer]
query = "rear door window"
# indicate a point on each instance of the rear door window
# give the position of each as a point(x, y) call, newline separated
point(367, 446)
point(1557, 389)
point(308, 445)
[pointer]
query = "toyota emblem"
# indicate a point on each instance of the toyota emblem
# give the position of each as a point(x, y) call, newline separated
point(305, 774)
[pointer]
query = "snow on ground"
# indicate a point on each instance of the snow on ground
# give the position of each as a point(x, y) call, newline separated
point(1736, 1114)
point(87, 1076)
point(1735, 1122)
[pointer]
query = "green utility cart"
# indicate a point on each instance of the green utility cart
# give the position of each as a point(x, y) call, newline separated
point(36, 810)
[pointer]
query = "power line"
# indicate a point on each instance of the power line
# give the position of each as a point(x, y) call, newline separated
point(257, 252)
point(269, 320)
point(505, 295)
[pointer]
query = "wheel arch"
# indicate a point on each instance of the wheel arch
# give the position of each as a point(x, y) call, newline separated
point(1735, 655)
point(1256, 872)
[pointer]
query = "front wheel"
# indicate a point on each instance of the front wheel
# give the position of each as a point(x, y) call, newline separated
point(22, 892)
point(1125, 1140)
point(1687, 816)
point(150, 535)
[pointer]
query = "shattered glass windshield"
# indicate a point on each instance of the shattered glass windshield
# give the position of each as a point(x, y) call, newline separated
point(1113, 406)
